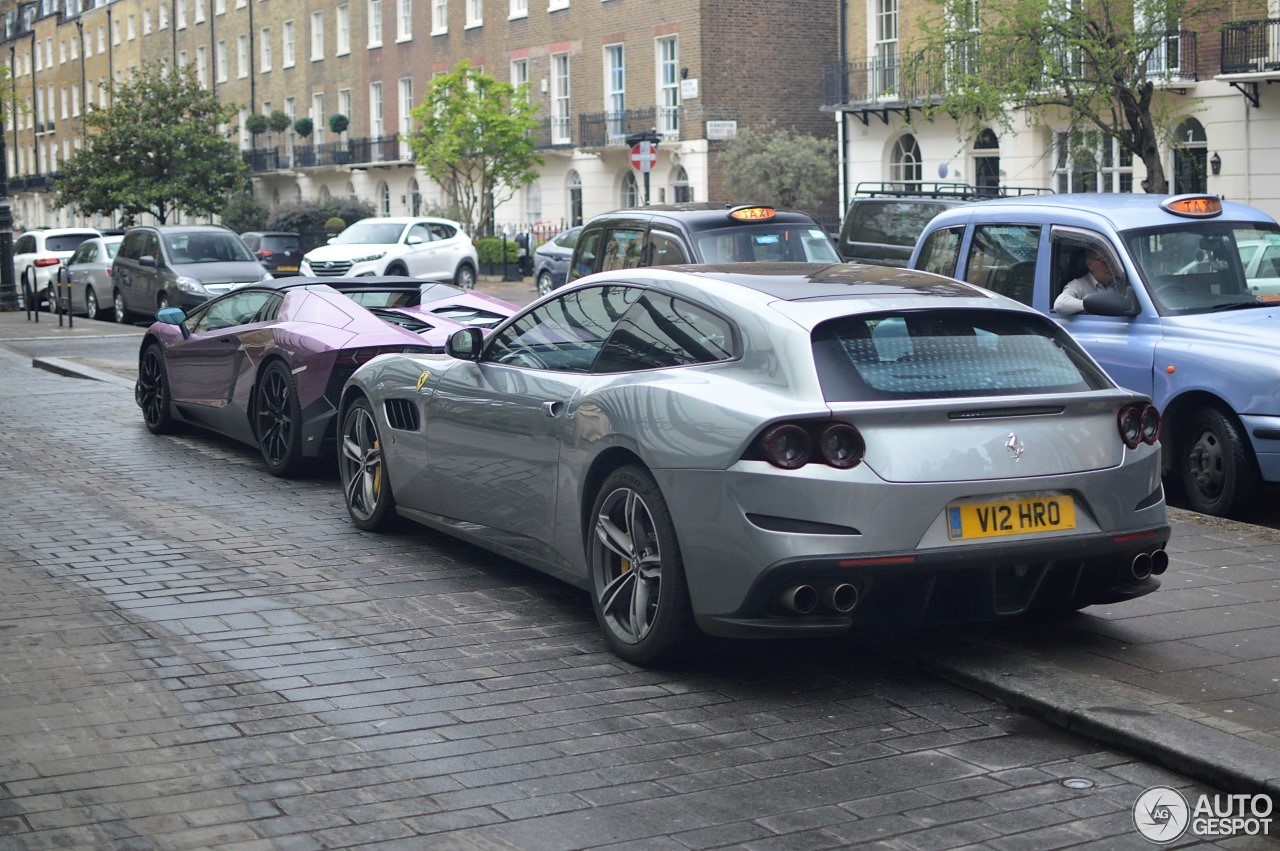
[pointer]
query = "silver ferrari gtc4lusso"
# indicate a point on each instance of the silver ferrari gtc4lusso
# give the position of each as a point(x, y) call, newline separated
point(771, 450)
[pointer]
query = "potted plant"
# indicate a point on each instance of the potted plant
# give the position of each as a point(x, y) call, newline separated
point(303, 127)
point(338, 123)
point(256, 125)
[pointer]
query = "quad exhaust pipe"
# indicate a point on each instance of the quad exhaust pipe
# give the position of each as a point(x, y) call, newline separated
point(841, 598)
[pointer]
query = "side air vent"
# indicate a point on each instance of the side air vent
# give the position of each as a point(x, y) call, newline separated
point(997, 413)
point(402, 414)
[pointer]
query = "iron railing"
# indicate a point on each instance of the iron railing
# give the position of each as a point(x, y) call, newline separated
point(381, 149)
point(1250, 46)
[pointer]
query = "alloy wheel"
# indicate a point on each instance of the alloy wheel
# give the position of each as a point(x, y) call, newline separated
point(360, 463)
point(275, 417)
point(630, 564)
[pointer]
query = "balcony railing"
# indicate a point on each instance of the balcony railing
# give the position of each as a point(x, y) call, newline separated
point(602, 129)
point(382, 149)
point(1250, 46)
point(554, 132)
point(1174, 59)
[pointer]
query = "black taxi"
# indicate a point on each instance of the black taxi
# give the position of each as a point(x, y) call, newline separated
point(666, 235)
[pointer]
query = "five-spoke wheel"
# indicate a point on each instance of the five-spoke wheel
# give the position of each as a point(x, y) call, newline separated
point(638, 583)
point(545, 284)
point(364, 482)
point(278, 420)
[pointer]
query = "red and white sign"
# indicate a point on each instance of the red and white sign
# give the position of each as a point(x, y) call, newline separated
point(644, 156)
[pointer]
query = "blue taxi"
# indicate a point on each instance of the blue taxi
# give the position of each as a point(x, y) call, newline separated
point(1179, 309)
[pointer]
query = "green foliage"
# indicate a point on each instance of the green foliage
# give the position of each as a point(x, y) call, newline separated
point(243, 212)
point(279, 121)
point(1086, 67)
point(779, 166)
point(303, 127)
point(489, 250)
point(475, 137)
point(256, 123)
point(314, 215)
point(338, 123)
point(157, 149)
point(335, 224)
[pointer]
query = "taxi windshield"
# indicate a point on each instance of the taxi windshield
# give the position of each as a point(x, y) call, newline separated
point(1205, 266)
point(766, 243)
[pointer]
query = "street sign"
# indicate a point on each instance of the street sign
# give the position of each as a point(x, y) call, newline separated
point(644, 156)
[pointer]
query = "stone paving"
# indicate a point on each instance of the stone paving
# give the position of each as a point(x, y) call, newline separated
point(194, 654)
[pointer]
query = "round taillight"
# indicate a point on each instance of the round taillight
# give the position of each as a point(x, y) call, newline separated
point(1129, 420)
point(841, 446)
point(1150, 425)
point(787, 446)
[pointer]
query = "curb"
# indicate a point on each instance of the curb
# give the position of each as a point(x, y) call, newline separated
point(1112, 717)
point(62, 366)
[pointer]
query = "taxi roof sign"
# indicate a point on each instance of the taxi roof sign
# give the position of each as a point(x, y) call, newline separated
point(1193, 206)
point(752, 214)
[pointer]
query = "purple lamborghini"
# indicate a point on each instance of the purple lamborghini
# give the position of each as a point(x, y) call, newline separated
point(264, 363)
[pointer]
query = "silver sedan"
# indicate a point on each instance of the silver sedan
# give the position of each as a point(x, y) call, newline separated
point(89, 271)
point(771, 450)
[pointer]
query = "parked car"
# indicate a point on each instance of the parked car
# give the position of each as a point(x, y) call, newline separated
point(1261, 259)
point(668, 235)
point(37, 256)
point(771, 449)
point(551, 260)
point(1182, 324)
point(159, 266)
point(89, 272)
point(429, 248)
point(264, 364)
point(279, 251)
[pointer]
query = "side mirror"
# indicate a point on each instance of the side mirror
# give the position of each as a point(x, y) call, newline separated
point(1108, 302)
point(414, 240)
point(148, 260)
point(465, 344)
point(174, 316)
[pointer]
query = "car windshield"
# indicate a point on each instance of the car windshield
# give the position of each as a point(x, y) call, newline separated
point(1202, 266)
point(932, 354)
point(766, 243)
point(282, 243)
point(370, 233)
point(206, 247)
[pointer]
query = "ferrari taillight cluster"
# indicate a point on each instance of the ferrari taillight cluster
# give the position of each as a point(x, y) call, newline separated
point(1139, 422)
point(792, 445)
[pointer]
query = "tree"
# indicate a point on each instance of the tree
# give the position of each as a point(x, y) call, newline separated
point(279, 121)
point(475, 137)
point(303, 127)
point(780, 166)
point(157, 149)
point(338, 123)
point(243, 213)
point(1096, 67)
point(256, 125)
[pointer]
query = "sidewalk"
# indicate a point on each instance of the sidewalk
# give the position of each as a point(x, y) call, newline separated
point(1188, 677)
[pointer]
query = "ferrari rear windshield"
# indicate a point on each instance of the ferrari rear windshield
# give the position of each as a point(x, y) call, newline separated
point(932, 354)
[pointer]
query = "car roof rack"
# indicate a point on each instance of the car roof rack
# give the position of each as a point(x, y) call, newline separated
point(933, 189)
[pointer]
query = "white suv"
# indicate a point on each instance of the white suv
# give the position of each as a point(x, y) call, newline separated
point(435, 249)
point(38, 254)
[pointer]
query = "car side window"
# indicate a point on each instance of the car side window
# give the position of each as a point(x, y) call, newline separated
point(564, 334)
point(940, 251)
point(152, 246)
point(84, 254)
point(585, 254)
point(131, 248)
point(420, 232)
point(622, 249)
point(238, 309)
point(1002, 258)
point(663, 331)
point(665, 250)
point(25, 245)
point(442, 231)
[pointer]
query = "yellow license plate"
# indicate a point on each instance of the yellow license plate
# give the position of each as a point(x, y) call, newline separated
point(287, 268)
point(1034, 515)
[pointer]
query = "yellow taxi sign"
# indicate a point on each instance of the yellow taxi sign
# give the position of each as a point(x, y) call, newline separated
point(1194, 206)
point(752, 214)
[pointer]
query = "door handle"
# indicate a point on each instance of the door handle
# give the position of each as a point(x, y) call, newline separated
point(552, 409)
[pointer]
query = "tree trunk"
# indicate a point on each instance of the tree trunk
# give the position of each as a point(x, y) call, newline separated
point(1143, 136)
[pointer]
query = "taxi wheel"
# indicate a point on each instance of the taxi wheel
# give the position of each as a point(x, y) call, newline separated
point(639, 593)
point(151, 392)
point(1218, 472)
point(365, 485)
point(278, 420)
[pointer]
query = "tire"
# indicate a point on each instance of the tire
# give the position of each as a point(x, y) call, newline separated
point(465, 277)
point(545, 284)
point(277, 419)
point(1219, 475)
point(162, 302)
point(51, 299)
point(365, 486)
point(119, 312)
point(151, 392)
point(397, 270)
point(91, 306)
point(638, 586)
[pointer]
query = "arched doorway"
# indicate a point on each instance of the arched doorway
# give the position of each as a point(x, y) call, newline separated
point(904, 161)
point(986, 163)
point(681, 191)
point(629, 196)
point(1190, 159)
point(384, 199)
point(415, 197)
